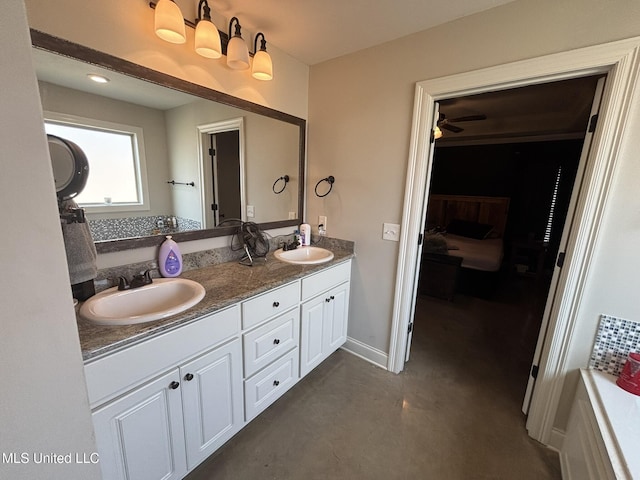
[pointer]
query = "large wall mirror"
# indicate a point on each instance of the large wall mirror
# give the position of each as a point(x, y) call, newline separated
point(198, 158)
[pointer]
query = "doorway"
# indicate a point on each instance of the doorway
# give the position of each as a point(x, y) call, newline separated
point(513, 179)
point(222, 171)
point(618, 60)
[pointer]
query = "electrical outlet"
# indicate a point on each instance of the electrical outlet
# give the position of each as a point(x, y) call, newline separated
point(322, 220)
point(251, 211)
point(391, 231)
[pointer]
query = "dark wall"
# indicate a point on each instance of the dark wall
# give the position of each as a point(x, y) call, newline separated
point(524, 172)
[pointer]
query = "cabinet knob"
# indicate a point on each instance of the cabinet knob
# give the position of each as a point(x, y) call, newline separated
point(173, 385)
point(327, 300)
point(332, 297)
point(276, 383)
point(276, 341)
point(188, 377)
point(276, 304)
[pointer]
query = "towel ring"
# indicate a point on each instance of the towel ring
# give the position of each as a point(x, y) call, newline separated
point(285, 179)
point(330, 180)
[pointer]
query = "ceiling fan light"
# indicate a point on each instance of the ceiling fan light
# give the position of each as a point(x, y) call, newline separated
point(207, 40)
point(169, 22)
point(262, 66)
point(237, 54)
point(437, 133)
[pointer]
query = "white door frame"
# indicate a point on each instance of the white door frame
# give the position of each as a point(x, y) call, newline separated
point(620, 60)
point(204, 171)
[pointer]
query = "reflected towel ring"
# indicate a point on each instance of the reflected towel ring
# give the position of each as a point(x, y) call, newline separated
point(285, 179)
point(330, 180)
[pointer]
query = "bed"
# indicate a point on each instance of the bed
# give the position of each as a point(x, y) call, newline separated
point(463, 244)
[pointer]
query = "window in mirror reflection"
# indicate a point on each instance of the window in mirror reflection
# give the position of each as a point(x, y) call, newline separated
point(114, 152)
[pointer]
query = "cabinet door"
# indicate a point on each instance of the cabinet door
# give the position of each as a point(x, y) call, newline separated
point(311, 334)
point(335, 318)
point(212, 399)
point(140, 436)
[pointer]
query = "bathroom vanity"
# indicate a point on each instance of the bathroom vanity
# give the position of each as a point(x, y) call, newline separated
point(603, 434)
point(167, 394)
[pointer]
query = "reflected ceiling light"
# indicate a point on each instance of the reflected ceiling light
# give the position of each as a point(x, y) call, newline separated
point(237, 51)
point(262, 66)
point(207, 41)
point(97, 78)
point(169, 23)
point(437, 133)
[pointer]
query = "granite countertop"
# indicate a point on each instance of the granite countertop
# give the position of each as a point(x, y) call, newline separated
point(225, 284)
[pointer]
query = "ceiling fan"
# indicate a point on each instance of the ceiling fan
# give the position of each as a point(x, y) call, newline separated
point(448, 124)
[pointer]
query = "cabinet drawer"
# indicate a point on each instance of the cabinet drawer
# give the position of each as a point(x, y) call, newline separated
point(323, 281)
point(265, 306)
point(114, 374)
point(266, 386)
point(268, 342)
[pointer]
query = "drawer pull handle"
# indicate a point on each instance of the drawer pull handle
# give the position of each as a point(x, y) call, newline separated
point(276, 341)
point(276, 304)
point(188, 377)
point(173, 385)
point(276, 383)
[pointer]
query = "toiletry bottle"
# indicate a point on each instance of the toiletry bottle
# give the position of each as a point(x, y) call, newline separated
point(305, 234)
point(169, 259)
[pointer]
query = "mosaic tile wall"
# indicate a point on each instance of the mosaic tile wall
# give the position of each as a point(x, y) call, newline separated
point(112, 228)
point(615, 339)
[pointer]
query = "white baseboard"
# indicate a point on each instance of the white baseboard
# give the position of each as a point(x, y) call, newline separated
point(366, 352)
point(556, 439)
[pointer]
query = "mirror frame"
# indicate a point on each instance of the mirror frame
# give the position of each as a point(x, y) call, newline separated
point(59, 46)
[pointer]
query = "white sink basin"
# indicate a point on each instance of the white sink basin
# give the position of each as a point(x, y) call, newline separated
point(160, 299)
point(304, 255)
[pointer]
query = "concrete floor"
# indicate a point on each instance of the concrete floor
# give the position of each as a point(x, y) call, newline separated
point(454, 413)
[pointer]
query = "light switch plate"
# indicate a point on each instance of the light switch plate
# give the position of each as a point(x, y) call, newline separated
point(292, 215)
point(251, 211)
point(391, 231)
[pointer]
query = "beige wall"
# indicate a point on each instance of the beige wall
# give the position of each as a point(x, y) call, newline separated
point(360, 110)
point(43, 405)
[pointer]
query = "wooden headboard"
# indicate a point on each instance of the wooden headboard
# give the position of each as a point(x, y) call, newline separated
point(490, 210)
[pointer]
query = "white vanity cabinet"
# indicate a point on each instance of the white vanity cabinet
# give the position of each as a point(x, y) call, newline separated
point(163, 405)
point(324, 315)
point(165, 423)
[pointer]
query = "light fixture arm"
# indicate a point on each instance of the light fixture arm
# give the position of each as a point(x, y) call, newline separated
point(263, 43)
point(206, 9)
point(238, 27)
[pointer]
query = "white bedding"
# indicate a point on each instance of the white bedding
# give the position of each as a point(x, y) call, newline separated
point(477, 254)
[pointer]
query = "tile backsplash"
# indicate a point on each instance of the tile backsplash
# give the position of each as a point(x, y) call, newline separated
point(616, 338)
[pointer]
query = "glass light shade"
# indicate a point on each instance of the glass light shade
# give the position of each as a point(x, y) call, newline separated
point(169, 23)
point(207, 41)
point(437, 133)
point(237, 54)
point(262, 66)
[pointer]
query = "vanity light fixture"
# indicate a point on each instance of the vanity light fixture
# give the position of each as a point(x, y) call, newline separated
point(237, 51)
point(262, 66)
point(209, 41)
point(169, 23)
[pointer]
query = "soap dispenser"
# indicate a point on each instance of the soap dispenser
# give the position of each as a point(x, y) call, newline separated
point(169, 258)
